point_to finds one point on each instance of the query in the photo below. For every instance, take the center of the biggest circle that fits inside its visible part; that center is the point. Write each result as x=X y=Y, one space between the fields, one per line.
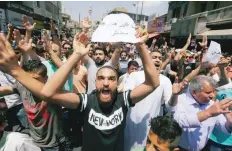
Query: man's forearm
x=164 y=64
x=56 y=60
x=115 y=56
x=27 y=81
x=28 y=36
x=151 y=74
x=173 y=100
x=194 y=73
x=203 y=115
x=61 y=75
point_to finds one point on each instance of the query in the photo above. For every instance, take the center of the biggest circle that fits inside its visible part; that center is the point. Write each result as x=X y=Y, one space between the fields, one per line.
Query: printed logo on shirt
x=102 y=122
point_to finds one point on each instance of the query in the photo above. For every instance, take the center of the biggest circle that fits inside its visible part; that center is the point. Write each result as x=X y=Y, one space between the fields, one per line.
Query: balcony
x=202 y=22
x=219 y=17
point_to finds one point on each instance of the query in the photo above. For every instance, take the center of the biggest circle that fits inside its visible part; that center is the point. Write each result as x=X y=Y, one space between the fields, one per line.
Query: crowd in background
x=70 y=92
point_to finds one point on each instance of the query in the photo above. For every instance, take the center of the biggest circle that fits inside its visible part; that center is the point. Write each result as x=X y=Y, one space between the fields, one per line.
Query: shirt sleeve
x=186 y=120
x=127 y=99
x=83 y=101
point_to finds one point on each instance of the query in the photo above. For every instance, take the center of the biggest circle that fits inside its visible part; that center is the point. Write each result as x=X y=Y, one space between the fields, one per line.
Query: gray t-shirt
x=92 y=71
x=44 y=118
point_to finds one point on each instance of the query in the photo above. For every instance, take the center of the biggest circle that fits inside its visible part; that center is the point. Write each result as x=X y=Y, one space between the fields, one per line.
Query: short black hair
x=66 y=43
x=108 y=67
x=167 y=129
x=123 y=52
x=102 y=49
x=35 y=66
x=132 y=63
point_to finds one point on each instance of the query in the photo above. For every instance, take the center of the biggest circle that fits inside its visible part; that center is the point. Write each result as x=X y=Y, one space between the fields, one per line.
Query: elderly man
x=197 y=114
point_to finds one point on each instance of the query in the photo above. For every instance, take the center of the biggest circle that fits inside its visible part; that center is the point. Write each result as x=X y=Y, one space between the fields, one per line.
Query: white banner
x=116 y=28
x=214 y=53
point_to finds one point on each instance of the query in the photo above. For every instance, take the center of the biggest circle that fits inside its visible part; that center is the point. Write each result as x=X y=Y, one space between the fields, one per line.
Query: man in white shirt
x=138 y=117
x=197 y=114
x=131 y=67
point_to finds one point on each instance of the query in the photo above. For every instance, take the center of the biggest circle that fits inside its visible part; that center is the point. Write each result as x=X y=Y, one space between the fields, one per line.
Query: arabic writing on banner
x=214 y=53
x=116 y=28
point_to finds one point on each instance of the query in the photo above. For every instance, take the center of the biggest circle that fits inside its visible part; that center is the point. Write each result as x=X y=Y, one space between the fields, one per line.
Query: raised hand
x=47 y=43
x=8 y=59
x=86 y=25
x=203 y=44
x=10 y=32
x=52 y=26
x=26 y=23
x=221 y=107
x=178 y=87
x=189 y=39
x=79 y=46
x=21 y=43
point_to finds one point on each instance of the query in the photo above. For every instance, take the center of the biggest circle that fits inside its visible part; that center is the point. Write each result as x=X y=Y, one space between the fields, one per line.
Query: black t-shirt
x=104 y=130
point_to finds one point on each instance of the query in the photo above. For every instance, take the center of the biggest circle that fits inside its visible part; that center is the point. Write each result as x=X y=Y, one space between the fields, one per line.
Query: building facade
x=39 y=12
x=211 y=18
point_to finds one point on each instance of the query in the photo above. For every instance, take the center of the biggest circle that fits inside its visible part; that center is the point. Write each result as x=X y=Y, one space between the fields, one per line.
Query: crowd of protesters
x=59 y=93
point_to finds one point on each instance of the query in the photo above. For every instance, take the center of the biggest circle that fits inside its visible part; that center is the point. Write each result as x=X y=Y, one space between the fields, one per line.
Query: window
x=176 y=12
x=185 y=9
x=38 y=4
x=49 y=6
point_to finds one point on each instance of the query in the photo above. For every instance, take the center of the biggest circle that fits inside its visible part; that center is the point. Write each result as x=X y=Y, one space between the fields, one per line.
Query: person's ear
x=176 y=149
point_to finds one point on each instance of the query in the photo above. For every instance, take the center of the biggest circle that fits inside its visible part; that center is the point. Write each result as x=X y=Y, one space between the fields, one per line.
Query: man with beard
x=99 y=61
x=104 y=111
x=138 y=118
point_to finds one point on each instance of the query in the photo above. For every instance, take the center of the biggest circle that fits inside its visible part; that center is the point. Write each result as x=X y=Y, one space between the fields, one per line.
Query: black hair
x=167 y=130
x=102 y=49
x=3 y=110
x=35 y=66
x=108 y=67
x=123 y=52
x=132 y=63
x=156 y=50
x=66 y=43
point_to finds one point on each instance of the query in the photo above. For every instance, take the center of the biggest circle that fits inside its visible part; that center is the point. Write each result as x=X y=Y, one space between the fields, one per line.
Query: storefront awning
x=153 y=35
x=217 y=34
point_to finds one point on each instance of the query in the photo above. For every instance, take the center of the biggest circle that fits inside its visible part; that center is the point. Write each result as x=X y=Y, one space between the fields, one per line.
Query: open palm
x=28 y=26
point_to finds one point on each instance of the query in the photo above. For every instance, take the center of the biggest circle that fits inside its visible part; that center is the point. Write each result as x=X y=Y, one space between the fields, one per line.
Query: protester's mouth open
x=157 y=65
x=105 y=94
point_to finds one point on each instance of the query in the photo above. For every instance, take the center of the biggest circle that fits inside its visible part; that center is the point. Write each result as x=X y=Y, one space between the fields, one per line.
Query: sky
x=99 y=8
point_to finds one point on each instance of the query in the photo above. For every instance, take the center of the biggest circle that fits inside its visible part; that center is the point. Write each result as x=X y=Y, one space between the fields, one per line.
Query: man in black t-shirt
x=104 y=110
